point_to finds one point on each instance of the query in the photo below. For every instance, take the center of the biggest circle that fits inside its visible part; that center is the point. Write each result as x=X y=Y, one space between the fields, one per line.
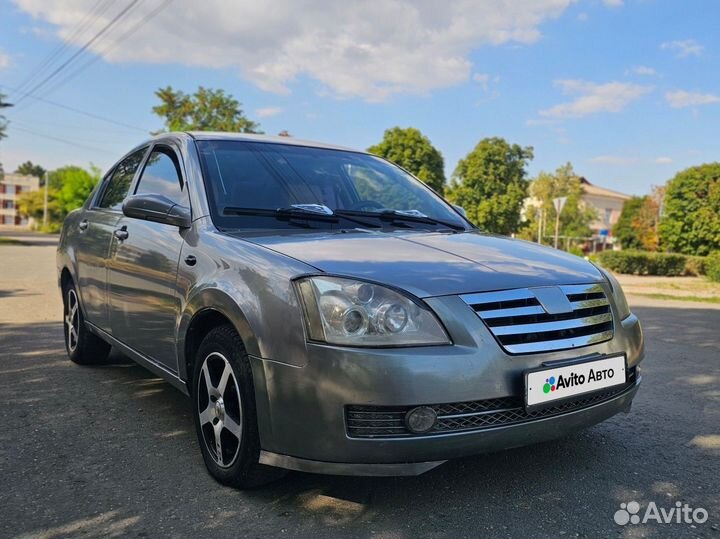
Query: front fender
x=220 y=300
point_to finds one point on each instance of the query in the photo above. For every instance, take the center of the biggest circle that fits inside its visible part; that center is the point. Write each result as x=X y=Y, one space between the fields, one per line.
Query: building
x=608 y=205
x=11 y=187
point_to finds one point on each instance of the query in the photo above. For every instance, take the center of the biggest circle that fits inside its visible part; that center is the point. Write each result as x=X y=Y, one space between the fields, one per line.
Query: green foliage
x=643 y=262
x=695 y=265
x=28 y=168
x=68 y=188
x=623 y=229
x=72 y=186
x=205 y=110
x=413 y=151
x=691 y=219
x=490 y=183
x=575 y=217
x=712 y=266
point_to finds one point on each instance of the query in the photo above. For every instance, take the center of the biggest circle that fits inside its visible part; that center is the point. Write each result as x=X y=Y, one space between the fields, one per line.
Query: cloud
x=614 y=160
x=594 y=98
x=681 y=99
x=267 y=112
x=484 y=80
x=4 y=60
x=643 y=70
x=582 y=17
x=371 y=50
x=613 y=3
x=683 y=47
x=663 y=160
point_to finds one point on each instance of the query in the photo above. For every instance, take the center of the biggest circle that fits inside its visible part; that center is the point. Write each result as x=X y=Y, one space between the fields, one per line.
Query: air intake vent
x=521 y=324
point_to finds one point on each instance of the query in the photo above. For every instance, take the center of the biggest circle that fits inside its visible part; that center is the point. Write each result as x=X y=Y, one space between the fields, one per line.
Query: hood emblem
x=552 y=299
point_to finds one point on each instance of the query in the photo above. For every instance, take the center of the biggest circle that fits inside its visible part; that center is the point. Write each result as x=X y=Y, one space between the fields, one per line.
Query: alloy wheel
x=220 y=409
x=72 y=320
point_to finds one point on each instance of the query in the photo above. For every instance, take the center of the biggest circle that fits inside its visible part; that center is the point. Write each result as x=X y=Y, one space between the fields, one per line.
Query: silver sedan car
x=327 y=312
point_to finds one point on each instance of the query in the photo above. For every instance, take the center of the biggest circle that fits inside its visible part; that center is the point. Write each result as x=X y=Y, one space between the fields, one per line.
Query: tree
x=205 y=110
x=68 y=188
x=623 y=230
x=575 y=217
x=690 y=223
x=72 y=186
x=28 y=168
x=413 y=151
x=490 y=183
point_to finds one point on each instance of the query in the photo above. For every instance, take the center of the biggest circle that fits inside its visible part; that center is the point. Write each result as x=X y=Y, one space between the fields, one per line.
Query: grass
x=700 y=299
x=10 y=241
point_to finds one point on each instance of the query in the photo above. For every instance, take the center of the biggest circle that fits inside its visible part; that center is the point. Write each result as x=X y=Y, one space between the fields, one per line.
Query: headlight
x=355 y=313
x=620 y=301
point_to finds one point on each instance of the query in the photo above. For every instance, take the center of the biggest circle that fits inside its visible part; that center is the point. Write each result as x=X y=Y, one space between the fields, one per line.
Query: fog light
x=420 y=419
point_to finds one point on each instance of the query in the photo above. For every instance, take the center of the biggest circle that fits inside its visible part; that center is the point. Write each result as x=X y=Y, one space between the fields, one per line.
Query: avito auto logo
x=574 y=380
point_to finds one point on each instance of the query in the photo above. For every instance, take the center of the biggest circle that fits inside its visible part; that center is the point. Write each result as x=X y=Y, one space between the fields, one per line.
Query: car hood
x=433 y=264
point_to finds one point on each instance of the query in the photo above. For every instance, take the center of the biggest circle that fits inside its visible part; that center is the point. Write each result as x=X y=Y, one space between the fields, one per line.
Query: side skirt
x=144 y=361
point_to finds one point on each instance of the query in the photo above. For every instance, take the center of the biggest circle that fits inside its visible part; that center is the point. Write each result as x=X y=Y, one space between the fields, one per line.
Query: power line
x=85 y=113
x=82 y=49
x=62 y=140
x=62 y=47
x=147 y=18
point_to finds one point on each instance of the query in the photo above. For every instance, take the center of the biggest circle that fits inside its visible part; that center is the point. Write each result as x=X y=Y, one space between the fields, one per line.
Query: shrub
x=695 y=265
x=712 y=266
x=643 y=263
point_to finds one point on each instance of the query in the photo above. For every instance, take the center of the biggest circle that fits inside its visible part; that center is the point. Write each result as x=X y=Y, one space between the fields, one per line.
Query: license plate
x=549 y=384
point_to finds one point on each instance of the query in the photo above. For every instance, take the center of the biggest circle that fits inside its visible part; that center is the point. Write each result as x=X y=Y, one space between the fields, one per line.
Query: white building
x=11 y=187
x=608 y=205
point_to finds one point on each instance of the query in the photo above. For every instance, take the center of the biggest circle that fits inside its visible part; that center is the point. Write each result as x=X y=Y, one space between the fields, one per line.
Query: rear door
x=144 y=303
x=95 y=232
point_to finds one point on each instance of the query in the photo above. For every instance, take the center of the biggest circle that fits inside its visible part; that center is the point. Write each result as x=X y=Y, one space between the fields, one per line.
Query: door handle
x=82 y=225
x=121 y=233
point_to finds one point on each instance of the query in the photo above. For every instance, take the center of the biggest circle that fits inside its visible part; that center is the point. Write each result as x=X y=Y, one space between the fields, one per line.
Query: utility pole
x=45 y=202
x=559 y=204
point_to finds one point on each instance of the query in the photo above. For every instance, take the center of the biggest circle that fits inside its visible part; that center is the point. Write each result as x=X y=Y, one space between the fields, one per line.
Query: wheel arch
x=208 y=309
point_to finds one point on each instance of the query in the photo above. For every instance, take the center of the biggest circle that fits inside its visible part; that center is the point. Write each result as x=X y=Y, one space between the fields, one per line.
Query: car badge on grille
x=552 y=299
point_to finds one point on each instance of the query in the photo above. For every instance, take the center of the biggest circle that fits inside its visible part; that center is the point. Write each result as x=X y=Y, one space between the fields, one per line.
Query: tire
x=223 y=399
x=82 y=346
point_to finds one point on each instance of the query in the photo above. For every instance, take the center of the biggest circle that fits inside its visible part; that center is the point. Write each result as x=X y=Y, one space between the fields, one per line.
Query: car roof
x=268 y=139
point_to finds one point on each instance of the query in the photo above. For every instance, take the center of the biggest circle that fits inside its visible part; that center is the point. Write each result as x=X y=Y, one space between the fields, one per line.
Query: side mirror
x=460 y=210
x=157 y=208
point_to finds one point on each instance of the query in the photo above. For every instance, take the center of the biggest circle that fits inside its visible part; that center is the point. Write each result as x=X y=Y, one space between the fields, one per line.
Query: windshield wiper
x=317 y=212
x=297 y=210
x=402 y=215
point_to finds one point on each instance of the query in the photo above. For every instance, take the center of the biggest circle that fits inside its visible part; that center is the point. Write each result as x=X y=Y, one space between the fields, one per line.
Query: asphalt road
x=110 y=452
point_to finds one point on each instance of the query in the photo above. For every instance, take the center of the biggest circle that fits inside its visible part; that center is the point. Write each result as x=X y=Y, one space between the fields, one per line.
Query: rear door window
x=118 y=186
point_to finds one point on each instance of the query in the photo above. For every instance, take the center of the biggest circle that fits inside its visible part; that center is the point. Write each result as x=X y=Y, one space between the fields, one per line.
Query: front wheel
x=224 y=411
x=83 y=347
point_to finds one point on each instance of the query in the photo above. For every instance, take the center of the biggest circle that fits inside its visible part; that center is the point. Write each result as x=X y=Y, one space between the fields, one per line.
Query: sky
x=628 y=91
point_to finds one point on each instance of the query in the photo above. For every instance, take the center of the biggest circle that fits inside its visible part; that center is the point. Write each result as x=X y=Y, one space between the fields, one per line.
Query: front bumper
x=464 y=444
x=301 y=410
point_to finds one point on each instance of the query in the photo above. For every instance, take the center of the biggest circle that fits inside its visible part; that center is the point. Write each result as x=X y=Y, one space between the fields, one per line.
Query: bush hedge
x=695 y=265
x=644 y=263
x=712 y=266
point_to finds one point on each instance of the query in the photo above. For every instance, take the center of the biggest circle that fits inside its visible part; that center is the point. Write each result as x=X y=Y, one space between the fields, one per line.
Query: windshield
x=361 y=188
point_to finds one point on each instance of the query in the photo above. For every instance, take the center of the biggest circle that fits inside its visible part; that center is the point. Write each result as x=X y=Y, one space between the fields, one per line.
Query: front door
x=144 y=303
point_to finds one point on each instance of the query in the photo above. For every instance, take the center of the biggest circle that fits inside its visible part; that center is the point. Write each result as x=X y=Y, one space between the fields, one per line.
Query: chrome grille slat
x=516 y=311
x=553 y=326
x=519 y=322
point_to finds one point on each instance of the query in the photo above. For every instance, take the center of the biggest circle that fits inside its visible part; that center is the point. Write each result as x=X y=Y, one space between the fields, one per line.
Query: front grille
x=389 y=421
x=521 y=324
